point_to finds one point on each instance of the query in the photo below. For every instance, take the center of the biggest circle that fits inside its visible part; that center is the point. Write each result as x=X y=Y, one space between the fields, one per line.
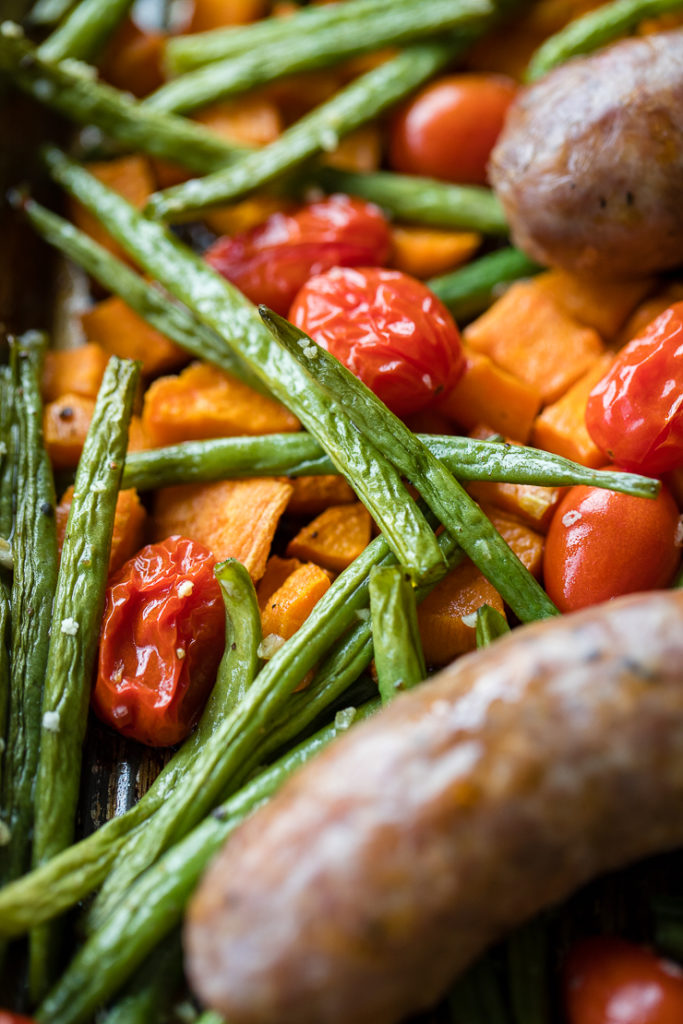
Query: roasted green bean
x=399 y=660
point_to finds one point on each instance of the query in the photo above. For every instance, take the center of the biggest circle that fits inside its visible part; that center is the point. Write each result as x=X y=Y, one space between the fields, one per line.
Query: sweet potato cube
x=335 y=538
x=446 y=616
x=291 y=604
x=528 y=334
x=360 y=150
x=129 y=525
x=119 y=330
x=204 y=402
x=647 y=311
x=313 y=494
x=208 y=14
x=132 y=178
x=75 y=370
x=526 y=543
x=561 y=427
x=486 y=393
x=132 y=60
x=65 y=426
x=233 y=518
x=425 y=252
x=604 y=305
x=277 y=571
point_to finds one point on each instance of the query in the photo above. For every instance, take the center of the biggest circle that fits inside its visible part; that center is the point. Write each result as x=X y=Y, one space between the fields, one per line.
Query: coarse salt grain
x=51 y=721
x=185 y=588
x=69 y=626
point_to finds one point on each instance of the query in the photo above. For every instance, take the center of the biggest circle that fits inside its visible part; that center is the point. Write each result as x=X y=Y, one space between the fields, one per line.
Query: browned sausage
x=589 y=166
x=387 y=864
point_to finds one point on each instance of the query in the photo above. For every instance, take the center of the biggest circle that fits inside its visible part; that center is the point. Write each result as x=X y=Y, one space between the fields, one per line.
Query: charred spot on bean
x=233 y=646
x=46 y=509
x=219 y=813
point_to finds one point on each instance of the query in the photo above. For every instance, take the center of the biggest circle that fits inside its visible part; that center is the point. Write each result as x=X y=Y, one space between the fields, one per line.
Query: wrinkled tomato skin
x=635 y=413
x=449 y=129
x=602 y=544
x=610 y=981
x=161 y=641
x=388 y=329
x=271 y=262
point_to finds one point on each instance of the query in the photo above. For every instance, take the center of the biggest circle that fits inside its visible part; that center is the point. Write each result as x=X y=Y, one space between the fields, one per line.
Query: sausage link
x=386 y=865
x=589 y=166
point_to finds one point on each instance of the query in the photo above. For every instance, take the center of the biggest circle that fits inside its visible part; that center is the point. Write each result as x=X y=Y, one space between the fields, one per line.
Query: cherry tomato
x=385 y=327
x=272 y=261
x=161 y=640
x=610 y=981
x=7 y=1017
x=449 y=129
x=602 y=544
x=635 y=413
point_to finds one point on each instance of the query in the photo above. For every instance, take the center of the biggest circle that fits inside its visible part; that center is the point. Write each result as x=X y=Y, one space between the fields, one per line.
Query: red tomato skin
x=602 y=544
x=449 y=128
x=145 y=688
x=7 y=1017
x=388 y=329
x=635 y=413
x=271 y=262
x=610 y=981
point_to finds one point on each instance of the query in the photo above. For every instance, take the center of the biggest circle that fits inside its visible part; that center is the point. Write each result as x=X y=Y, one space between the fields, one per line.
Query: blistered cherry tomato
x=272 y=261
x=635 y=413
x=449 y=129
x=7 y=1017
x=385 y=327
x=602 y=544
x=610 y=981
x=161 y=640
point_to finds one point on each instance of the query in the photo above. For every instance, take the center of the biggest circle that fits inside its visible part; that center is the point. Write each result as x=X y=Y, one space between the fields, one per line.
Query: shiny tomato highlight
x=272 y=261
x=602 y=544
x=449 y=129
x=161 y=641
x=610 y=981
x=388 y=329
x=635 y=413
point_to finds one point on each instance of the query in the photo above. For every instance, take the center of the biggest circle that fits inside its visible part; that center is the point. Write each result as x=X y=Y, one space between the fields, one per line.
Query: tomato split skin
x=447 y=131
x=602 y=544
x=388 y=329
x=161 y=641
x=611 y=981
x=273 y=260
x=635 y=413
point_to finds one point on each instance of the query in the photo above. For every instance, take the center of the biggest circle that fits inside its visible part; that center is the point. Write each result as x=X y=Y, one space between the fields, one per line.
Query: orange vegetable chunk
x=360 y=150
x=65 y=426
x=132 y=178
x=526 y=542
x=132 y=60
x=291 y=604
x=604 y=305
x=561 y=427
x=335 y=538
x=129 y=525
x=648 y=311
x=488 y=394
x=277 y=571
x=313 y=494
x=208 y=14
x=119 y=330
x=233 y=518
x=75 y=370
x=204 y=402
x=441 y=616
x=425 y=252
x=528 y=334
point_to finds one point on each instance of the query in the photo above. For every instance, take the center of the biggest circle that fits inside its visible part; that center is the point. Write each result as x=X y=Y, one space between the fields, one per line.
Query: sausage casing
x=589 y=166
x=392 y=860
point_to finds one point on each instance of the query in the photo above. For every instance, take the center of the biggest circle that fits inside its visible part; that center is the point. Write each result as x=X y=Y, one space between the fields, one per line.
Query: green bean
x=149 y=302
x=7 y=486
x=527 y=955
x=69 y=88
x=399 y=660
x=85 y=31
x=193 y=799
x=34 y=543
x=225 y=310
x=76 y=615
x=50 y=12
x=155 y=903
x=210 y=1017
x=460 y=515
x=595 y=29
x=421 y=200
x=147 y=999
x=316 y=132
x=403 y=22
x=490 y=625
x=184 y=53
x=471 y=289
